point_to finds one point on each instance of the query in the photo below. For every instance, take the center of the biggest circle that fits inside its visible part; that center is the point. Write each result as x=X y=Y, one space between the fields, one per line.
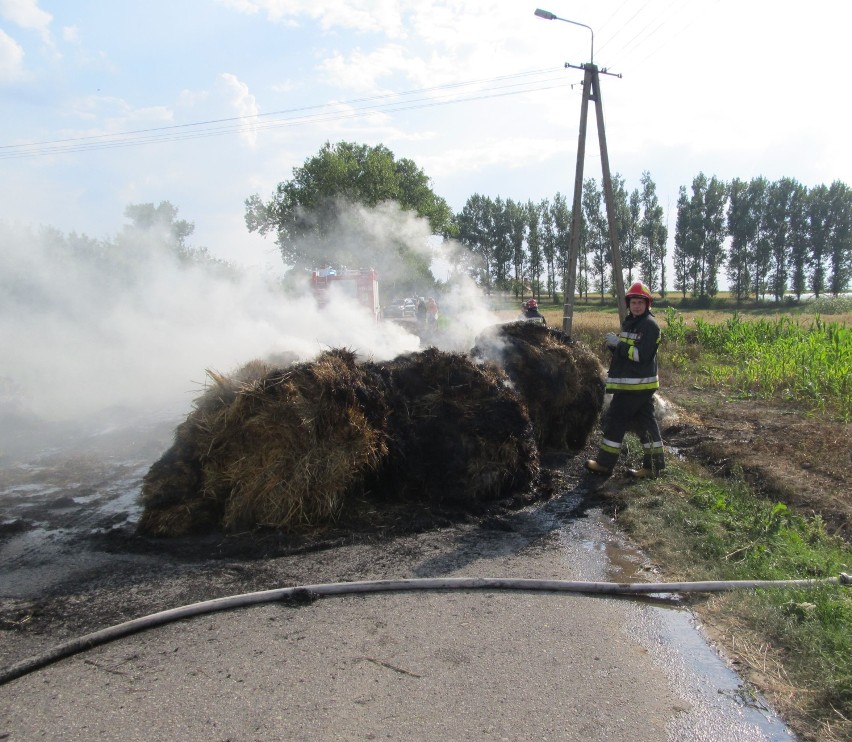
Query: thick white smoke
x=82 y=333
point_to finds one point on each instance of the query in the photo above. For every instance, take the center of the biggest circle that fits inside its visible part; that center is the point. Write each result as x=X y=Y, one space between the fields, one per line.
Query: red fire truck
x=361 y=284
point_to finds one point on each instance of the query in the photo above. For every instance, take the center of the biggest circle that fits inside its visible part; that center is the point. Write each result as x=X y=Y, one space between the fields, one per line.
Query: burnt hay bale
x=172 y=487
x=288 y=448
x=278 y=448
x=458 y=434
x=561 y=381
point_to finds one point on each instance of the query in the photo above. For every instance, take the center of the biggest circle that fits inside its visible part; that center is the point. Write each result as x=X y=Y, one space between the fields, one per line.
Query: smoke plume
x=130 y=325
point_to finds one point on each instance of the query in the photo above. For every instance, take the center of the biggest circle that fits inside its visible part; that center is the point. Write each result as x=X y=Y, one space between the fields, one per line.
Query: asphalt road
x=408 y=666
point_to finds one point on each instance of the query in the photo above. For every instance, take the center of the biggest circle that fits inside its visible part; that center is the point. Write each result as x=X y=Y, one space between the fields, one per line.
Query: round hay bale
x=561 y=381
x=458 y=434
x=281 y=452
x=172 y=489
x=287 y=448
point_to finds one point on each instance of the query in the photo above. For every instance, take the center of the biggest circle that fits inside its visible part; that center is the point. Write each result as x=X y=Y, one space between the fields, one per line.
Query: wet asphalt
x=448 y=665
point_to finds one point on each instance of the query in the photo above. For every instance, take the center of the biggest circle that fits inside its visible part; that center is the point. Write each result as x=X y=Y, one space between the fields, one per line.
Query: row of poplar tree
x=770 y=238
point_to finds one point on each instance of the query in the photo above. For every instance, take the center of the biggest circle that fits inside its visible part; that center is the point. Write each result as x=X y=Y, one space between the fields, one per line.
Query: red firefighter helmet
x=639 y=290
x=531 y=304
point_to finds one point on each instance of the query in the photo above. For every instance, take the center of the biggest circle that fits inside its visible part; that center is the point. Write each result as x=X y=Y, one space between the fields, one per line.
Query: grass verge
x=796 y=645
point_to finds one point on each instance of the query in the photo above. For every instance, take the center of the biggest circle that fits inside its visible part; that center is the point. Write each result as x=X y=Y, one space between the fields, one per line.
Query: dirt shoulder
x=796 y=458
x=788 y=456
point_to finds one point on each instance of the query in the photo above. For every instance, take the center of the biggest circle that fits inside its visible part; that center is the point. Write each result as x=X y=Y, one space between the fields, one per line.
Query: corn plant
x=782 y=357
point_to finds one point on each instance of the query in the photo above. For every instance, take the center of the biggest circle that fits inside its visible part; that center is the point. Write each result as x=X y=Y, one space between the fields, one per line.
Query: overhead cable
x=448 y=94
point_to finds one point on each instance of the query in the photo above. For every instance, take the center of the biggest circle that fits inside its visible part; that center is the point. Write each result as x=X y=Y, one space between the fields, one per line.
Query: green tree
x=562 y=234
x=742 y=228
x=819 y=232
x=840 y=248
x=696 y=215
x=760 y=249
x=501 y=230
x=547 y=237
x=707 y=230
x=799 y=246
x=682 y=238
x=649 y=232
x=630 y=255
x=661 y=250
x=517 y=217
x=159 y=222
x=778 y=205
x=596 y=238
x=714 y=232
x=307 y=210
x=534 y=247
x=474 y=232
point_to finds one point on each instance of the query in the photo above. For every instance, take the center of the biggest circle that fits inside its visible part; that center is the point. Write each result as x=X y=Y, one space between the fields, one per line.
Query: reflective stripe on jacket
x=634 y=359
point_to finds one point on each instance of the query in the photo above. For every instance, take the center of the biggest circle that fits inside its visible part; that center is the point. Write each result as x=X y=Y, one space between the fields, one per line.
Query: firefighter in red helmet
x=529 y=312
x=632 y=379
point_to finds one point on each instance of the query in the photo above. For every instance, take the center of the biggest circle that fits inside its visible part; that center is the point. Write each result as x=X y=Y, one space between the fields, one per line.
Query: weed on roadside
x=700 y=528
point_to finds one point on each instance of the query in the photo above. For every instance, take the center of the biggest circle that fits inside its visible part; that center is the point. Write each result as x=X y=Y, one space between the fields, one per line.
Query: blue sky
x=733 y=89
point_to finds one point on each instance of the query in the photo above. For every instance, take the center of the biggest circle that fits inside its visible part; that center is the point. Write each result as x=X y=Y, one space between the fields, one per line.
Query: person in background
x=632 y=379
x=529 y=311
x=420 y=313
x=431 y=313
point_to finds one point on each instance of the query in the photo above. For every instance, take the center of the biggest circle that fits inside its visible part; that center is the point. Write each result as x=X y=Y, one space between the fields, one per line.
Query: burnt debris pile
x=561 y=382
x=288 y=447
x=458 y=435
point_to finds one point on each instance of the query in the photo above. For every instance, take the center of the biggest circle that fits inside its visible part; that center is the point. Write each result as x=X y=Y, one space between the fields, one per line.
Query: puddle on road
x=718 y=705
x=722 y=706
x=53 y=500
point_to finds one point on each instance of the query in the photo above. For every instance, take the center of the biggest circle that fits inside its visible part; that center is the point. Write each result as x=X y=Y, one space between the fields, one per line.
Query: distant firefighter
x=431 y=313
x=529 y=312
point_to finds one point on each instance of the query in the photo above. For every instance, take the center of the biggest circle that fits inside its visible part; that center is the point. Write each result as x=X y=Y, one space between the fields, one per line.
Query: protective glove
x=611 y=340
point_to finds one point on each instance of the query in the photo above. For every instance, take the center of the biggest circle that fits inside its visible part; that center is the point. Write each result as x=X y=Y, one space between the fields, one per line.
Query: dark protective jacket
x=533 y=315
x=634 y=359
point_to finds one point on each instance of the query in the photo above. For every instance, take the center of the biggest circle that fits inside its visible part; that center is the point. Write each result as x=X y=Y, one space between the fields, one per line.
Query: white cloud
x=443 y=41
x=71 y=34
x=375 y=16
x=192 y=98
x=244 y=103
x=241 y=6
x=27 y=14
x=117 y=115
x=511 y=153
x=360 y=72
x=11 y=58
x=285 y=86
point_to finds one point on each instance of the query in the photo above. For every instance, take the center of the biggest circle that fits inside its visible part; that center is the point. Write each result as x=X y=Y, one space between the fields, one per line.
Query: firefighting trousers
x=632 y=411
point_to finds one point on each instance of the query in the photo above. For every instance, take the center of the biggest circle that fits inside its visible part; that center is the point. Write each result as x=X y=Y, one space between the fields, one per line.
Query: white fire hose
x=308 y=593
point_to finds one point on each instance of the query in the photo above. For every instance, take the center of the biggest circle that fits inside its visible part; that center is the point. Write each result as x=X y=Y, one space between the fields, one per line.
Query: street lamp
x=548 y=16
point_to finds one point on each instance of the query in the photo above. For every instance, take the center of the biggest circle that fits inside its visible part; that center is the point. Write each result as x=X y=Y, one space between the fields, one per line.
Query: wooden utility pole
x=591 y=91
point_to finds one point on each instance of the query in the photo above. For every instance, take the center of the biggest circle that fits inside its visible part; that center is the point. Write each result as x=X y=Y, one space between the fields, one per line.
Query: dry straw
x=289 y=447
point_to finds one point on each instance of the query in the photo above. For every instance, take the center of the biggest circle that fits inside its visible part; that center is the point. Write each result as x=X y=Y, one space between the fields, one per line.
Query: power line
x=250 y=127
x=418 y=91
x=387 y=103
x=668 y=18
x=641 y=37
x=623 y=26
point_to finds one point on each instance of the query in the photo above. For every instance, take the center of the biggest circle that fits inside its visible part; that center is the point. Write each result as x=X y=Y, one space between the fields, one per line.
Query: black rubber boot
x=597 y=468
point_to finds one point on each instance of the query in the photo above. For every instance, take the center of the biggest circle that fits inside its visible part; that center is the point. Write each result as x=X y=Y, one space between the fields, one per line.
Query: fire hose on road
x=308 y=593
